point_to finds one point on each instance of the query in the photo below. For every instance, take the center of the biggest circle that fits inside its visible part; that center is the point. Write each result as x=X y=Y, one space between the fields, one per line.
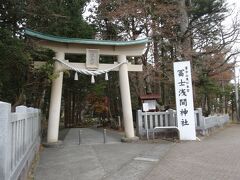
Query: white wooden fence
x=19 y=140
x=148 y=121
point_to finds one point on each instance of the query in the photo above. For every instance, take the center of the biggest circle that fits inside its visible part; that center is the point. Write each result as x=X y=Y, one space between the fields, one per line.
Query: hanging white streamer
x=76 y=76
x=106 y=76
x=92 y=79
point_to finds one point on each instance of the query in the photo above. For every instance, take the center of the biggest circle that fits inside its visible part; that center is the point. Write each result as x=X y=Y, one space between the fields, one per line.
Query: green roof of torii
x=60 y=39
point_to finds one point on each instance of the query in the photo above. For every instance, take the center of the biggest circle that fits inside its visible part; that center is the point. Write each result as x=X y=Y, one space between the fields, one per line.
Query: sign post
x=184 y=100
x=146 y=109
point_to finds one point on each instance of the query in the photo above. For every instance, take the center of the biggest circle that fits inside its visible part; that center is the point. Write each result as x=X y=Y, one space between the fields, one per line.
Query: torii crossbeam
x=62 y=45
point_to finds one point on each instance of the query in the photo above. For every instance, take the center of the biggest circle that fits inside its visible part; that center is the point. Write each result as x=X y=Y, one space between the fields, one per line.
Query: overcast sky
x=235 y=5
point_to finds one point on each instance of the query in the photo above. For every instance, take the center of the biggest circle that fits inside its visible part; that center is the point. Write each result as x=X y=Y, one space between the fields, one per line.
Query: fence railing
x=19 y=140
x=148 y=121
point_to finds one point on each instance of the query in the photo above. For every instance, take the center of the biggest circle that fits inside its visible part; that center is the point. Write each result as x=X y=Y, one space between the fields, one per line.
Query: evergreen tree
x=27 y=85
x=61 y=17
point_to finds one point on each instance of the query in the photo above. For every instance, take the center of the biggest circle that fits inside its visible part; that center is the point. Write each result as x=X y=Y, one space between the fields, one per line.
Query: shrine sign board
x=184 y=100
x=92 y=59
x=145 y=107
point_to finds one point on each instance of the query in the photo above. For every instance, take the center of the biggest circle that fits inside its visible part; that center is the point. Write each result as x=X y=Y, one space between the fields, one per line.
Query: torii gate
x=62 y=45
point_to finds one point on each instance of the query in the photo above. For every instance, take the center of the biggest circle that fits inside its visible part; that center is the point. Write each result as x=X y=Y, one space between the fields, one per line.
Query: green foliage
x=20 y=82
x=203 y=8
x=45 y=70
x=99 y=88
x=12 y=16
x=212 y=95
x=59 y=18
x=14 y=62
x=207 y=85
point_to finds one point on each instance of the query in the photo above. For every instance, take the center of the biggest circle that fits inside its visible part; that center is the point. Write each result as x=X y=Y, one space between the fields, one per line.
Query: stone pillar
x=5 y=140
x=126 y=99
x=55 y=102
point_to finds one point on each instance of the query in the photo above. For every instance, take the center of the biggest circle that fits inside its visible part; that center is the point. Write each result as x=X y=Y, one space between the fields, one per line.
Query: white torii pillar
x=126 y=99
x=55 y=102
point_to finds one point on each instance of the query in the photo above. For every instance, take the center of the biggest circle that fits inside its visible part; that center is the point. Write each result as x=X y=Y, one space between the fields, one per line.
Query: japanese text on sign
x=184 y=100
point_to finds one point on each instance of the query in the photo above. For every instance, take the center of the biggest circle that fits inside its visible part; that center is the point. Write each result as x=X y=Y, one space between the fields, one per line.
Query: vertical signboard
x=184 y=100
x=92 y=59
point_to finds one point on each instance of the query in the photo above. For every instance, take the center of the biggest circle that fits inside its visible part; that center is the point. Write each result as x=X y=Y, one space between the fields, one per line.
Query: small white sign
x=145 y=107
x=151 y=104
x=184 y=100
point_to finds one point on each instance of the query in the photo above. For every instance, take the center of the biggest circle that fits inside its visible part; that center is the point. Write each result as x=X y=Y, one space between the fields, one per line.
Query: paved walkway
x=215 y=157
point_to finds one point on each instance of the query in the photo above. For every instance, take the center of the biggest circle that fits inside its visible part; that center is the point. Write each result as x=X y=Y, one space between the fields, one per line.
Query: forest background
x=178 y=30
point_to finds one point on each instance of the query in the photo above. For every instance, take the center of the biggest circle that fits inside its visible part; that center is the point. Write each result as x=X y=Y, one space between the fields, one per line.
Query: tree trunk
x=184 y=44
